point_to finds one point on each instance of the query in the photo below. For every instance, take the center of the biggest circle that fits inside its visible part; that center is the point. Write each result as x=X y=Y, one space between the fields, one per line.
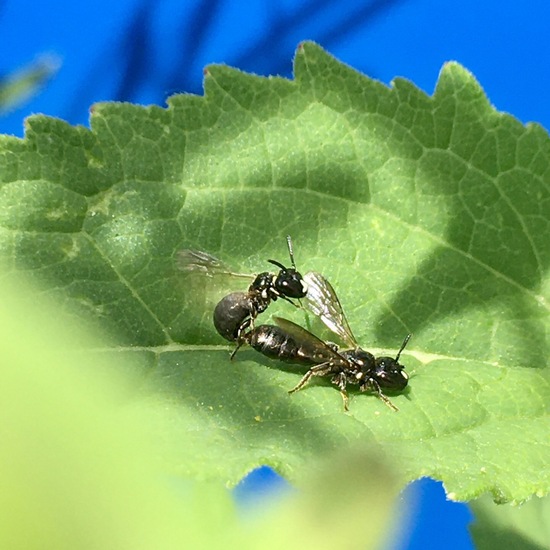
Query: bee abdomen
x=275 y=343
x=231 y=312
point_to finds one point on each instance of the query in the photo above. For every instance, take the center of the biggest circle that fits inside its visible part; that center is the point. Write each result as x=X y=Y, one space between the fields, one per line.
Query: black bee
x=380 y=372
x=236 y=312
x=289 y=342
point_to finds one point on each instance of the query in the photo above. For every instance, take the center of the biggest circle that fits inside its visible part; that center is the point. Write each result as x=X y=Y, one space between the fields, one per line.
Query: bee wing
x=322 y=301
x=315 y=347
x=197 y=261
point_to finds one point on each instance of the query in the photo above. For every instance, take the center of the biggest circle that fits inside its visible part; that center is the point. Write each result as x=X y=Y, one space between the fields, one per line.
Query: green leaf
x=508 y=527
x=79 y=468
x=76 y=469
x=429 y=215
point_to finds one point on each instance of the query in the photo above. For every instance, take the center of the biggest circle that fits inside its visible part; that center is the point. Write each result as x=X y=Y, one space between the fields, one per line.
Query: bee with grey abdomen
x=236 y=312
x=291 y=343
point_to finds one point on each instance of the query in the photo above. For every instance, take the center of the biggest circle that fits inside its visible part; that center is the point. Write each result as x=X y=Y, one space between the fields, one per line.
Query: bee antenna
x=290 y=250
x=279 y=265
x=405 y=342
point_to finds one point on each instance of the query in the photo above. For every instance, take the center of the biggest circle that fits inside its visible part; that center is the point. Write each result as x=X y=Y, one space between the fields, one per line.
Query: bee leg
x=290 y=301
x=387 y=401
x=345 y=399
x=240 y=342
x=241 y=336
x=341 y=381
x=318 y=370
x=372 y=385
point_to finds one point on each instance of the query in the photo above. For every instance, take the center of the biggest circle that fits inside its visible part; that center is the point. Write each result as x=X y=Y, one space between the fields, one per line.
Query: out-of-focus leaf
x=525 y=527
x=18 y=87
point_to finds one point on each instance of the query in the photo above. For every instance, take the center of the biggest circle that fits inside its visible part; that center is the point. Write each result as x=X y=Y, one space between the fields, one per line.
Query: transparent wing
x=322 y=301
x=197 y=261
x=311 y=346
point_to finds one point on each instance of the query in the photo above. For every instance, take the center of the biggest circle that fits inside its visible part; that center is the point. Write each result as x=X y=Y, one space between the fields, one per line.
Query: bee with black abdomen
x=236 y=312
x=290 y=342
x=380 y=372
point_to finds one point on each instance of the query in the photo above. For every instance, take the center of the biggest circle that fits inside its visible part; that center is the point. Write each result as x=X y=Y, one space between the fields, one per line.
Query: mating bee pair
x=235 y=315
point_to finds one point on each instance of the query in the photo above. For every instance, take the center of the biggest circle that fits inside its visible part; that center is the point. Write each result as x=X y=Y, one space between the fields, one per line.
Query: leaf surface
x=429 y=215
